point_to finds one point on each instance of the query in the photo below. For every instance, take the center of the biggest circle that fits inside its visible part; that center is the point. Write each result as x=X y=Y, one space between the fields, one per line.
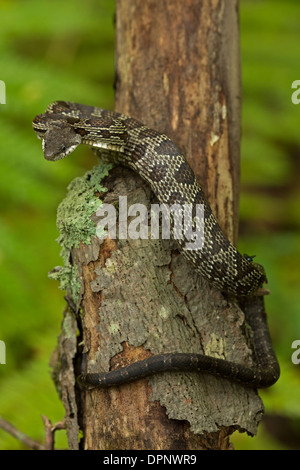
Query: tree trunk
x=178 y=71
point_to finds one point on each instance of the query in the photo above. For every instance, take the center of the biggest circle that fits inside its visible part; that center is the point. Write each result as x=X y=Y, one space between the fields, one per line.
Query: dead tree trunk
x=178 y=71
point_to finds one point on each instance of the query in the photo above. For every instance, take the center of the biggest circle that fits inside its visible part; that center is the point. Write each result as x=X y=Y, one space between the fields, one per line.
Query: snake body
x=160 y=163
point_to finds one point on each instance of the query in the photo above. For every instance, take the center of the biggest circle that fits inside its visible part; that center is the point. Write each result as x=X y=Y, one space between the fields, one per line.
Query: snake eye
x=249 y=258
x=63 y=148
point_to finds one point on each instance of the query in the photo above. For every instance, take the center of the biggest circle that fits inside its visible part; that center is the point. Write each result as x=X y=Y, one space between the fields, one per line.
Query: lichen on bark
x=75 y=224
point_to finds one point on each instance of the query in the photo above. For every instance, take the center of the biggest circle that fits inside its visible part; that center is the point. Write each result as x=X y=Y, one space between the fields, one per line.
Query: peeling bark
x=141 y=297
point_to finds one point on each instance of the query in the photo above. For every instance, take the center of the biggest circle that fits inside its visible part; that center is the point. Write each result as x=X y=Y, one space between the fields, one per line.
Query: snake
x=159 y=162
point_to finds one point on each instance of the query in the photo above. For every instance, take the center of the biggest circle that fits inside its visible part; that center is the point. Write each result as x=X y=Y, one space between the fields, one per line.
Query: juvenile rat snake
x=158 y=161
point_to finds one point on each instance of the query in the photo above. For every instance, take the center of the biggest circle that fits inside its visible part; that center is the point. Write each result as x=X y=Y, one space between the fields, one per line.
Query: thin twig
x=49 y=435
x=50 y=431
x=6 y=426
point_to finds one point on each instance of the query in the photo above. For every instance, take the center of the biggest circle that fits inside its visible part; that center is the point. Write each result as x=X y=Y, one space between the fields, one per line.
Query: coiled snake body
x=157 y=160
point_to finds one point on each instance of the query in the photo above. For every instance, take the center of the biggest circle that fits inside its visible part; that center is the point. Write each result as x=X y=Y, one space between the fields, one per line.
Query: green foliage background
x=65 y=50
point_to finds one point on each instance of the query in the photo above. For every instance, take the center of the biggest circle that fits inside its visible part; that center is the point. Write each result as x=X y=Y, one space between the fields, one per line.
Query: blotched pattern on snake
x=160 y=163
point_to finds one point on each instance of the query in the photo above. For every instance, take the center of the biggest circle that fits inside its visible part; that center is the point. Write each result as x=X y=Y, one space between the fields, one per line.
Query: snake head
x=58 y=142
x=59 y=138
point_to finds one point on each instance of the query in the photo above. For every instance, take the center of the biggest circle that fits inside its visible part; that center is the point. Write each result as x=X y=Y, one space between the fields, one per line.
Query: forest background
x=65 y=50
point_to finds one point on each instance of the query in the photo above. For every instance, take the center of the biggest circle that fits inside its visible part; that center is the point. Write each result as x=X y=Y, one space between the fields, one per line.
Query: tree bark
x=178 y=71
